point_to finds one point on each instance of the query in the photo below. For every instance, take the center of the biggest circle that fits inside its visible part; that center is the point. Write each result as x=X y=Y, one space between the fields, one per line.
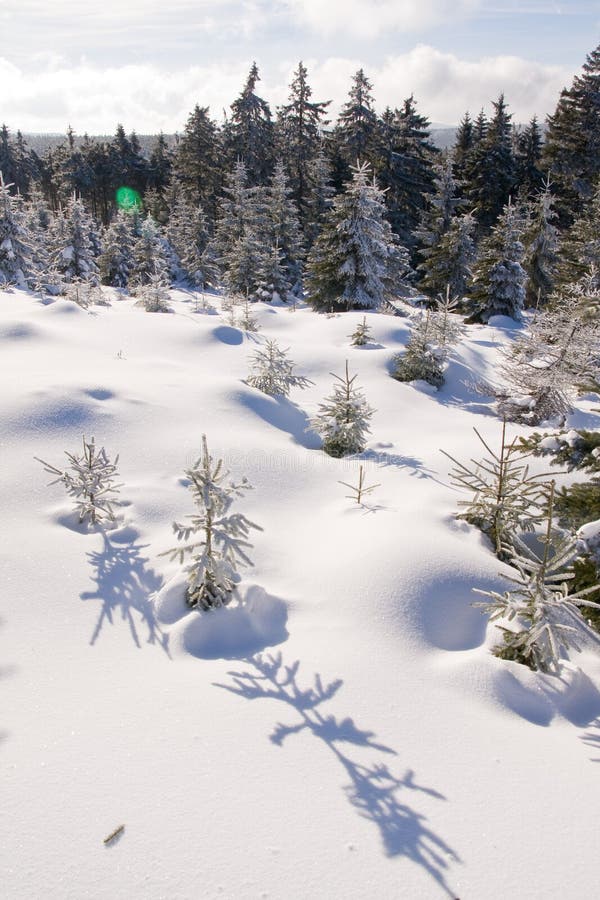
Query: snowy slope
x=386 y=753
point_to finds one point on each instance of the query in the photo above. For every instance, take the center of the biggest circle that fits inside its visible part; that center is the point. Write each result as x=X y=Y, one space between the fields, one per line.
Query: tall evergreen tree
x=196 y=161
x=580 y=247
x=8 y=161
x=74 y=255
x=187 y=233
x=298 y=130
x=541 y=244
x=405 y=168
x=319 y=196
x=356 y=129
x=499 y=276
x=160 y=164
x=464 y=142
x=116 y=263
x=492 y=169
x=356 y=262
x=283 y=234
x=239 y=237
x=572 y=147
x=150 y=255
x=15 y=248
x=249 y=132
x=529 y=177
x=449 y=264
x=436 y=220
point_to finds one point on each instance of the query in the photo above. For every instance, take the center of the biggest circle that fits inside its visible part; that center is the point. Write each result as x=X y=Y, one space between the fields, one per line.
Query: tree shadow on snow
x=124 y=586
x=539 y=699
x=373 y=790
x=283 y=414
x=592 y=739
x=384 y=458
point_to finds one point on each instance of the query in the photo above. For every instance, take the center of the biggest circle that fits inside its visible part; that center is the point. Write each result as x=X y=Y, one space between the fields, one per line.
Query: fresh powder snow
x=342 y=730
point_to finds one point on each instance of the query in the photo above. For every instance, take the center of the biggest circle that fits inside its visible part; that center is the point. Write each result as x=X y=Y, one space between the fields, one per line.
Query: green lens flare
x=128 y=199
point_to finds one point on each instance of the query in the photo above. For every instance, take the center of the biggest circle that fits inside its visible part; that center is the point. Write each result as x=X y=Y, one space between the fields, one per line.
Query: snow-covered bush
x=505 y=498
x=90 y=481
x=546 y=618
x=343 y=418
x=273 y=371
x=222 y=537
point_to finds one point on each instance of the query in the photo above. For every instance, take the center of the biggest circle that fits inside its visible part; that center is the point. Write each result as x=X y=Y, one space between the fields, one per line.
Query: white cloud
x=369 y=18
x=149 y=98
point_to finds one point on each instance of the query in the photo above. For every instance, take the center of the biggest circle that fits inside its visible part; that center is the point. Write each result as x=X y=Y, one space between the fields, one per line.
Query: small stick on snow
x=114 y=834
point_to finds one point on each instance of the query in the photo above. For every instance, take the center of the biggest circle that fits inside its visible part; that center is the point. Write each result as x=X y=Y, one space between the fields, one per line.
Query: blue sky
x=145 y=63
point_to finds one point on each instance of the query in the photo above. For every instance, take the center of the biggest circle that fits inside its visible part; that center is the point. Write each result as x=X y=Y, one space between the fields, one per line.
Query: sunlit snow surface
x=345 y=732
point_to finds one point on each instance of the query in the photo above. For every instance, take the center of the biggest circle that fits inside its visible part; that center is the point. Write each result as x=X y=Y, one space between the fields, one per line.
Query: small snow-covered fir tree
x=187 y=232
x=150 y=255
x=239 y=242
x=75 y=254
x=15 y=240
x=356 y=261
x=541 y=243
x=247 y=321
x=90 y=481
x=505 y=498
x=547 y=618
x=116 y=260
x=222 y=542
x=544 y=368
x=153 y=294
x=343 y=418
x=446 y=327
x=85 y=293
x=499 y=276
x=436 y=219
x=424 y=357
x=450 y=261
x=361 y=334
x=281 y=275
x=273 y=371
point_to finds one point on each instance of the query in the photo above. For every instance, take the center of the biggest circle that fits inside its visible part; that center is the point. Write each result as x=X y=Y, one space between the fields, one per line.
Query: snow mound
x=236 y=632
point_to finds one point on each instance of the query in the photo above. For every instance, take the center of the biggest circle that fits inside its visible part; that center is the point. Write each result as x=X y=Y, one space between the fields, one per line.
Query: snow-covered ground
x=346 y=733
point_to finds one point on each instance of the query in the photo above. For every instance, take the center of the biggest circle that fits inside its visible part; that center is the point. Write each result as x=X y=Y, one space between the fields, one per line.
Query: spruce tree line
x=270 y=203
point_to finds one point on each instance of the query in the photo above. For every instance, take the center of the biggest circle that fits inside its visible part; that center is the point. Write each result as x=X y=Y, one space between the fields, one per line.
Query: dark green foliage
x=405 y=169
x=356 y=129
x=298 y=138
x=528 y=152
x=586 y=575
x=580 y=249
x=572 y=147
x=196 y=163
x=491 y=172
x=579 y=504
x=248 y=135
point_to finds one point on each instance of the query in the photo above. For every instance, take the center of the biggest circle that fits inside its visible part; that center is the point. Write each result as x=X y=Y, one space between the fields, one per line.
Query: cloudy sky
x=146 y=63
